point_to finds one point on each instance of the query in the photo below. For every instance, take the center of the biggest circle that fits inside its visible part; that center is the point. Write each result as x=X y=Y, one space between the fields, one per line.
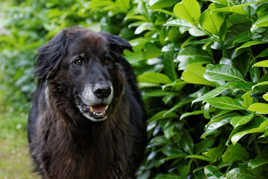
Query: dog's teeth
x=91 y=109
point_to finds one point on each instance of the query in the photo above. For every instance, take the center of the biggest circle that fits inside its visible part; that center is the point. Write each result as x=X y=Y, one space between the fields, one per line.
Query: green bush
x=201 y=66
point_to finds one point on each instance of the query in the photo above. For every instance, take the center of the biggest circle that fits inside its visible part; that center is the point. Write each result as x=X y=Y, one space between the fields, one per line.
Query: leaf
x=215 y=153
x=226 y=103
x=213 y=127
x=191 y=55
x=247 y=99
x=178 y=22
x=261 y=128
x=169 y=66
x=235 y=152
x=143 y=27
x=187 y=142
x=240 y=85
x=261 y=108
x=123 y=4
x=261 y=22
x=194 y=113
x=160 y=115
x=222 y=72
x=157 y=93
x=239 y=9
x=263 y=63
x=265 y=96
x=177 y=85
x=188 y=10
x=211 y=20
x=237 y=121
x=240 y=173
x=211 y=94
x=264 y=83
x=178 y=105
x=154 y=77
x=249 y=44
x=171 y=151
x=254 y=163
x=212 y=172
x=200 y=157
x=263 y=53
x=194 y=74
x=169 y=130
x=160 y=4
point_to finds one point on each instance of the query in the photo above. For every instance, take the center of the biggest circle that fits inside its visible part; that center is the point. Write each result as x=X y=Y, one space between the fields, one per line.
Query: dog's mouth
x=96 y=113
x=99 y=110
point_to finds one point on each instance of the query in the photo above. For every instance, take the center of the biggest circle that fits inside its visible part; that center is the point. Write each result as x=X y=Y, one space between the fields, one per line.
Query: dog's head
x=82 y=68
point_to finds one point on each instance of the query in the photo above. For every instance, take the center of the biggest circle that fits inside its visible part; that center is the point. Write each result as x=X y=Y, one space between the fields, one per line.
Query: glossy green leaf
x=235 y=152
x=160 y=115
x=261 y=128
x=247 y=99
x=240 y=173
x=194 y=74
x=239 y=9
x=240 y=85
x=191 y=55
x=169 y=66
x=178 y=105
x=213 y=127
x=211 y=94
x=153 y=77
x=223 y=2
x=158 y=4
x=237 y=121
x=178 y=22
x=222 y=72
x=188 y=10
x=226 y=103
x=212 y=172
x=249 y=44
x=177 y=85
x=123 y=4
x=194 y=113
x=259 y=108
x=254 y=163
x=144 y=27
x=187 y=142
x=264 y=83
x=265 y=96
x=211 y=20
x=263 y=63
x=261 y=22
x=199 y=157
x=214 y=154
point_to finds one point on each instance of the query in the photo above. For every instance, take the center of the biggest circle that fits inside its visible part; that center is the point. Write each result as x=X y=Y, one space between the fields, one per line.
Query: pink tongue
x=99 y=109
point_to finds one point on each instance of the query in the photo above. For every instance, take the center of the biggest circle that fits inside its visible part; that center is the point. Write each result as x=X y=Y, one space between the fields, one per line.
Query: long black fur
x=63 y=143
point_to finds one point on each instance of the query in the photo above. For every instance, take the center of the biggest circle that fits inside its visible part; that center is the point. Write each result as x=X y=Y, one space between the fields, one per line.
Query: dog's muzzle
x=95 y=101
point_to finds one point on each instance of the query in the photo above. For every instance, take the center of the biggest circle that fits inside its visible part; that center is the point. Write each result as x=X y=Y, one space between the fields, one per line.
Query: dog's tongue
x=99 y=109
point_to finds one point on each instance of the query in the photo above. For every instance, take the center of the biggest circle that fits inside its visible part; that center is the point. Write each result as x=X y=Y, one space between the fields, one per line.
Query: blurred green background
x=201 y=66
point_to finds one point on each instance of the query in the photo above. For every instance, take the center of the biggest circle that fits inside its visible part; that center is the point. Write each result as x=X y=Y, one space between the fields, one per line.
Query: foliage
x=201 y=66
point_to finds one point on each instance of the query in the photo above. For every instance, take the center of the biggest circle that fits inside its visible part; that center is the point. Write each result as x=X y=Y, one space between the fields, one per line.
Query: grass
x=15 y=162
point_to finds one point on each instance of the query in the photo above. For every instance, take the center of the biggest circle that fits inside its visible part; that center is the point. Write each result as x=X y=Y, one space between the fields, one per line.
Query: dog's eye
x=78 y=60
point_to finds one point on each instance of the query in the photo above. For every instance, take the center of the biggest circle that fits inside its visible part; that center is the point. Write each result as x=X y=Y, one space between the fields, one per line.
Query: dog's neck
x=88 y=152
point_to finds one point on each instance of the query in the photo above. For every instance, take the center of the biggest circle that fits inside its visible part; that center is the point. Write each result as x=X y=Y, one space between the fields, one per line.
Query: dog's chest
x=104 y=157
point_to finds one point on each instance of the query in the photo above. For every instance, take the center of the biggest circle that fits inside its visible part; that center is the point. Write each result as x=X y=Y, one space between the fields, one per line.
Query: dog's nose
x=102 y=90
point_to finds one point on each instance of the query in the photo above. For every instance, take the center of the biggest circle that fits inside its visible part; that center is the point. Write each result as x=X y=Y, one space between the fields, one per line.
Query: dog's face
x=89 y=70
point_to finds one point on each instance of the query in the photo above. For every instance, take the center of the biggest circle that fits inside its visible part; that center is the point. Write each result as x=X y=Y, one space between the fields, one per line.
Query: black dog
x=87 y=120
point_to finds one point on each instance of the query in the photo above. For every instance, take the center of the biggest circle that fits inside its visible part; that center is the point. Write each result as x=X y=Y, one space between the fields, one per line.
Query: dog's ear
x=50 y=56
x=117 y=44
